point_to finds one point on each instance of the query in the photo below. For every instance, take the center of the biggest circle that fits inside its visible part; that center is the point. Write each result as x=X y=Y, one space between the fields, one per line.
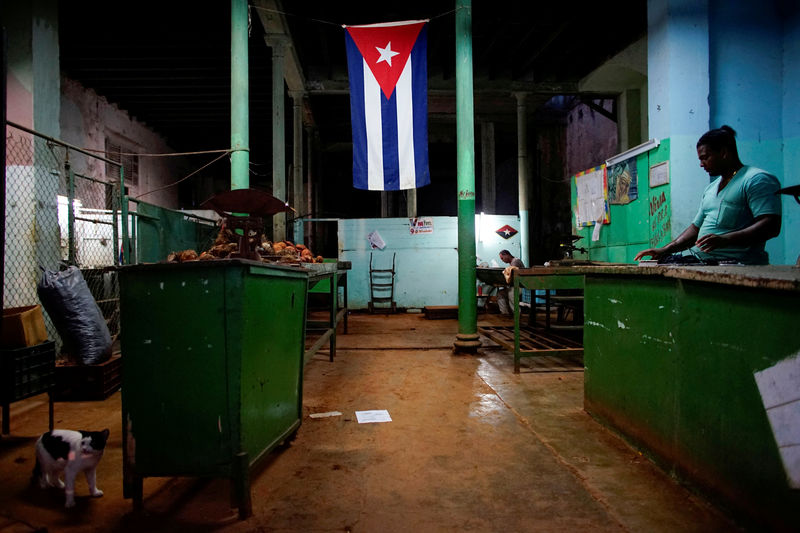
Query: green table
x=542 y=278
x=213 y=368
x=327 y=278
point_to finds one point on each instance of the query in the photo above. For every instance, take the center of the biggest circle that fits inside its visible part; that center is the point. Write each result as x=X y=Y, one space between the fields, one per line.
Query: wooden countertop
x=776 y=277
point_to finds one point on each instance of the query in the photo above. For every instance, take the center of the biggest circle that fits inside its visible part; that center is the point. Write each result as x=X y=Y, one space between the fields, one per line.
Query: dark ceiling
x=168 y=63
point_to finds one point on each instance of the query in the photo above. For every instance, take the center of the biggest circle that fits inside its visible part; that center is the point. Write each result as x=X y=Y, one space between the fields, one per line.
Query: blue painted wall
x=791 y=133
x=746 y=64
x=678 y=93
x=426 y=264
x=736 y=62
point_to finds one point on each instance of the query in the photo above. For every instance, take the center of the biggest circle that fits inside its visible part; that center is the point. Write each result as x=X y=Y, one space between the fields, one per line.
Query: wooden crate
x=88 y=382
x=23 y=326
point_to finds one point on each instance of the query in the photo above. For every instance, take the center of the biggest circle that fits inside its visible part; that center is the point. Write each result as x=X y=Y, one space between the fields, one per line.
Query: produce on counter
x=227 y=243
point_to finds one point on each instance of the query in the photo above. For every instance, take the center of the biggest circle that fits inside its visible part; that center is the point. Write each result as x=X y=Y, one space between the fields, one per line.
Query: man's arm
x=762 y=229
x=685 y=240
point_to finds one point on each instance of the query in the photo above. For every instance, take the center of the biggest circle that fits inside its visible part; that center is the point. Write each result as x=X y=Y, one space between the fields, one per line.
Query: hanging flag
x=388 y=70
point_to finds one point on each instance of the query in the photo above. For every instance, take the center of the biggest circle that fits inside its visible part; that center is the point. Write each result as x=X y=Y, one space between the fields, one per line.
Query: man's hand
x=683 y=242
x=655 y=253
x=710 y=242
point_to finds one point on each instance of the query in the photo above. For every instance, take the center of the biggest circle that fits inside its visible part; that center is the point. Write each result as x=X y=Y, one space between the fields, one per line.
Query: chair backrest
x=394 y=255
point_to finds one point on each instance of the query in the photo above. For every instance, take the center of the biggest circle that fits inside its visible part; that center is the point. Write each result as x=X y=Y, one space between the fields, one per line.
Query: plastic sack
x=75 y=314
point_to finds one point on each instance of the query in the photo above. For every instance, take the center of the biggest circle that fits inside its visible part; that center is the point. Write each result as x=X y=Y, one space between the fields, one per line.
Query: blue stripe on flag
x=356 y=73
x=391 y=162
x=419 y=84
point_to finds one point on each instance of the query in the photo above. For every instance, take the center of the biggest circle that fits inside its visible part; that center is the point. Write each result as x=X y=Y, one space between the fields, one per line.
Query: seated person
x=502 y=293
x=739 y=211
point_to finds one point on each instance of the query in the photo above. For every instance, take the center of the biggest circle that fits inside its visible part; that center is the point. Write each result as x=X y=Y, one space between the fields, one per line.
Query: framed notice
x=592 y=197
x=659 y=174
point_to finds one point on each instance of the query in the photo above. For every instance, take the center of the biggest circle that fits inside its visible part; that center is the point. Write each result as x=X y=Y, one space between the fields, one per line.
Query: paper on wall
x=375 y=240
x=591 y=196
x=596 y=231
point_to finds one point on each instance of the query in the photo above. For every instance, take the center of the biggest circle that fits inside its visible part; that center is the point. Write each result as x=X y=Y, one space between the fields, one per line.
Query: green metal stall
x=213 y=368
x=675 y=360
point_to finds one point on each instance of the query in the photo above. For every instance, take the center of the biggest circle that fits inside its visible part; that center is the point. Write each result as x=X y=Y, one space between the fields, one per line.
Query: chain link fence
x=63 y=206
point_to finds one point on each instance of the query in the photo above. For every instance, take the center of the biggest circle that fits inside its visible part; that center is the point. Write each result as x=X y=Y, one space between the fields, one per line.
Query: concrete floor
x=471 y=447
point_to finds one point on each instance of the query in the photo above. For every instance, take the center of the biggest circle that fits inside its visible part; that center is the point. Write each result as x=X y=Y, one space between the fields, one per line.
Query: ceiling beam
x=270 y=12
x=447 y=87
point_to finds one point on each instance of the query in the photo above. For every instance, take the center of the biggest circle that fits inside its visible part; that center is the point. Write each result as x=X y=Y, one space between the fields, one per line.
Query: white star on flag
x=507 y=232
x=386 y=53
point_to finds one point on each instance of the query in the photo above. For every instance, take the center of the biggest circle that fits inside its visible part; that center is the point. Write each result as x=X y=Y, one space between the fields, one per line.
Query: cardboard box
x=23 y=326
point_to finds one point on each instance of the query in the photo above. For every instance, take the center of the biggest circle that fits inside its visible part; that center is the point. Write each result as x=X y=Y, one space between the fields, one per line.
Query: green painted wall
x=160 y=231
x=665 y=366
x=643 y=223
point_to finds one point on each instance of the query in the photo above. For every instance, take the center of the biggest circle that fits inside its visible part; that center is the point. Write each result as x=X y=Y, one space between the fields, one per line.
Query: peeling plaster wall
x=88 y=119
x=591 y=138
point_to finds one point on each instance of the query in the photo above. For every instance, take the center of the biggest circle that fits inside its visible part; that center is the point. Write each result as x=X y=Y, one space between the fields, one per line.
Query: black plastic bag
x=75 y=314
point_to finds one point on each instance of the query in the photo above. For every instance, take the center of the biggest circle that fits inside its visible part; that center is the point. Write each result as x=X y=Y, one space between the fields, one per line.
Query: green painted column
x=278 y=45
x=522 y=177
x=240 y=133
x=298 y=202
x=467 y=340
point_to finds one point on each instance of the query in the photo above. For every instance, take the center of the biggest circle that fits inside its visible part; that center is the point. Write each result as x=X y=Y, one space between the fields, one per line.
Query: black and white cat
x=70 y=452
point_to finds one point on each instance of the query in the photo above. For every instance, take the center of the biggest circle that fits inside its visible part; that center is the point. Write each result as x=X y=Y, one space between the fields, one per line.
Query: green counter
x=213 y=368
x=671 y=355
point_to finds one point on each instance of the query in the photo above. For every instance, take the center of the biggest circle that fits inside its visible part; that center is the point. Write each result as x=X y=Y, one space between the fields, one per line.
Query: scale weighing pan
x=254 y=202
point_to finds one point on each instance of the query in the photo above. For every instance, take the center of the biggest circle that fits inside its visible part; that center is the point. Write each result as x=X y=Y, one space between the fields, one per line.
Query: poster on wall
x=623 y=184
x=420 y=225
x=592 y=197
x=659 y=174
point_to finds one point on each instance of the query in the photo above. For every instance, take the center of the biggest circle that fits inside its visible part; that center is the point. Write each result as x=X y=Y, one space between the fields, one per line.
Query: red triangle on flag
x=386 y=48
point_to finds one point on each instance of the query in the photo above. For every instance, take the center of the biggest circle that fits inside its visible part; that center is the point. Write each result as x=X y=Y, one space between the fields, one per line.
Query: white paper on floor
x=325 y=415
x=377 y=415
x=781 y=397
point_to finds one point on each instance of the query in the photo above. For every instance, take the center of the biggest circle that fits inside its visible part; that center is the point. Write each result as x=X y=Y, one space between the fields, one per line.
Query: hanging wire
x=293 y=15
x=551 y=180
x=254 y=173
x=443 y=14
x=186 y=177
x=333 y=23
x=171 y=154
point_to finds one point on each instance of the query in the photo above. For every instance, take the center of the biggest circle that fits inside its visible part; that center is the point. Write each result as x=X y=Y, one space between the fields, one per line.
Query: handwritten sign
x=660 y=222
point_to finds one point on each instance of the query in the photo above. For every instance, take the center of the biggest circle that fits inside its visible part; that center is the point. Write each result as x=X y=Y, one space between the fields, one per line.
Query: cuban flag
x=388 y=70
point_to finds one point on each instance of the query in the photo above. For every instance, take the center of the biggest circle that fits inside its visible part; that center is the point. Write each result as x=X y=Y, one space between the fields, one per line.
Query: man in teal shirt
x=739 y=212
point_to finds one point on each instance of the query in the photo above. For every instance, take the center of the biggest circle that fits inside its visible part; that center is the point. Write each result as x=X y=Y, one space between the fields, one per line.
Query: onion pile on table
x=227 y=242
